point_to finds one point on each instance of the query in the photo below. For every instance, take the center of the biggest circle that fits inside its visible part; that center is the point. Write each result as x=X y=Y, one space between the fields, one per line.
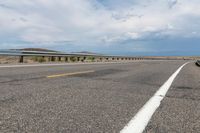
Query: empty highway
x=99 y=98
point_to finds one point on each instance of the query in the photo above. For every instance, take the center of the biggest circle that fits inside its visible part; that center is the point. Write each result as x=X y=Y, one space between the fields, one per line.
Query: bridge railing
x=52 y=55
x=59 y=56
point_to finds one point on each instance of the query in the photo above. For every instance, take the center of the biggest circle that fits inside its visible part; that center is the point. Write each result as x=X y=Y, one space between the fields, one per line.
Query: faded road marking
x=71 y=64
x=70 y=74
x=141 y=119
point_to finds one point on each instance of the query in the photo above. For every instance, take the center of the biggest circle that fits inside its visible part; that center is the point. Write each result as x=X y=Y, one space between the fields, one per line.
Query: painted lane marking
x=60 y=64
x=142 y=118
x=70 y=64
x=70 y=74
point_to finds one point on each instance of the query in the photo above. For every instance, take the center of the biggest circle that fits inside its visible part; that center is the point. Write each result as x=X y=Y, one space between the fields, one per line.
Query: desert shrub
x=91 y=58
x=38 y=59
x=41 y=59
x=73 y=59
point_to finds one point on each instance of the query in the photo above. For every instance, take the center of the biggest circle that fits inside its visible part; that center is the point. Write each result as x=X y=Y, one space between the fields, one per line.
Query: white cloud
x=94 y=22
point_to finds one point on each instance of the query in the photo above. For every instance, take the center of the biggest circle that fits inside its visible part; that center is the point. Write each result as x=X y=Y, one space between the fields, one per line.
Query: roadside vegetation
x=38 y=59
x=90 y=59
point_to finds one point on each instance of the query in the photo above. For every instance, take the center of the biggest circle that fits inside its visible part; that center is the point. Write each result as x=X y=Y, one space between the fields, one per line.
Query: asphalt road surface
x=98 y=98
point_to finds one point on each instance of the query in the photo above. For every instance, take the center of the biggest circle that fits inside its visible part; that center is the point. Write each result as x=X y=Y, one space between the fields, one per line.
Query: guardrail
x=59 y=55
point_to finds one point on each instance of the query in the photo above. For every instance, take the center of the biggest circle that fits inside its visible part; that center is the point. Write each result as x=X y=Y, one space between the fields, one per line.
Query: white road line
x=142 y=118
x=64 y=64
x=57 y=64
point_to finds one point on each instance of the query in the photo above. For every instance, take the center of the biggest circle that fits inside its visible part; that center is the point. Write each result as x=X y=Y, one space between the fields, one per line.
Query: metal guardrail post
x=59 y=58
x=84 y=58
x=52 y=59
x=66 y=59
x=21 y=59
x=78 y=58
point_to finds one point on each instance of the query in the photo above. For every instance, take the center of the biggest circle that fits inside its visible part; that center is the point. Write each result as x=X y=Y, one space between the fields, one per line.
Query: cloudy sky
x=124 y=27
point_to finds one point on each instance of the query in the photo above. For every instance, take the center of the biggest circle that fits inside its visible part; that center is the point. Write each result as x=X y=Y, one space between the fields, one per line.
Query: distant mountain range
x=35 y=49
x=86 y=52
x=47 y=50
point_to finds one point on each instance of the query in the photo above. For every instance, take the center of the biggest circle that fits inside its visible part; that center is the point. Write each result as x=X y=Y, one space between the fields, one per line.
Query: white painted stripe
x=65 y=64
x=58 y=64
x=141 y=119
